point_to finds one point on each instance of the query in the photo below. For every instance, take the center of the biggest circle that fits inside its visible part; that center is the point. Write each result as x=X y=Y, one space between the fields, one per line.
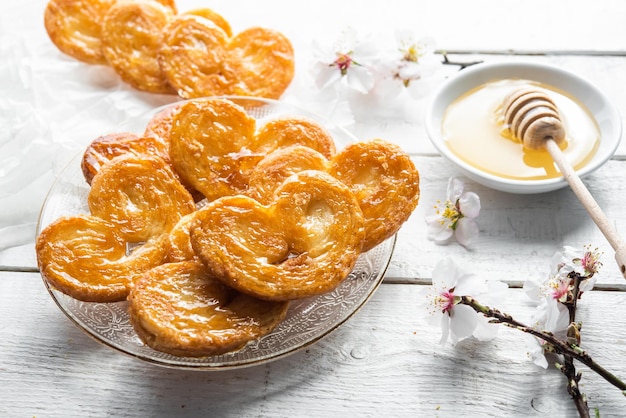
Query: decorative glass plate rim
x=361 y=283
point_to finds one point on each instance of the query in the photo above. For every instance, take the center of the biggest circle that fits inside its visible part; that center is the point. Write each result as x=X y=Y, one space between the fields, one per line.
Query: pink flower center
x=560 y=290
x=343 y=62
x=590 y=262
x=446 y=301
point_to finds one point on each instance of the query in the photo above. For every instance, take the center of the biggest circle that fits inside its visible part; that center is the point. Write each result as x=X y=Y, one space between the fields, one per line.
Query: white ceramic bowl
x=606 y=115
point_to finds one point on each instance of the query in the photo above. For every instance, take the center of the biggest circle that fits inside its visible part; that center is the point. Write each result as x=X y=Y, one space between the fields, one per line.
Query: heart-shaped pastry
x=179 y=308
x=74 y=26
x=140 y=195
x=385 y=182
x=86 y=258
x=200 y=60
x=210 y=144
x=214 y=144
x=304 y=244
x=381 y=175
x=131 y=40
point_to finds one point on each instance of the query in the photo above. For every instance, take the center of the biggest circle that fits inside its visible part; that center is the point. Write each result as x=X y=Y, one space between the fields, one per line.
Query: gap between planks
x=531 y=52
x=512 y=284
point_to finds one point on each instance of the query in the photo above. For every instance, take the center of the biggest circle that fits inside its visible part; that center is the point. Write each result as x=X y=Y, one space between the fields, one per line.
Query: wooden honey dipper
x=533 y=118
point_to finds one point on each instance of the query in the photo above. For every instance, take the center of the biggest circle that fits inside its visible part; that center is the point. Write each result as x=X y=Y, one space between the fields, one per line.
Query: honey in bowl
x=473 y=129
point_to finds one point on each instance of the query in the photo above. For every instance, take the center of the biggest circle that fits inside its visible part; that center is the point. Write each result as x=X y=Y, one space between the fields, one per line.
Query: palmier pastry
x=107 y=147
x=160 y=124
x=140 y=195
x=385 y=182
x=209 y=146
x=381 y=175
x=279 y=165
x=131 y=38
x=180 y=309
x=264 y=62
x=74 y=26
x=170 y=4
x=85 y=257
x=287 y=131
x=199 y=59
x=179 y=242
x=304 y=244
x=213 y=17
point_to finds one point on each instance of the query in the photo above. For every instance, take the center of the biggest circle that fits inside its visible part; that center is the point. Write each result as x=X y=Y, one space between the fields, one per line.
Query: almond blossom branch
x=557 y=346
x=573 y=334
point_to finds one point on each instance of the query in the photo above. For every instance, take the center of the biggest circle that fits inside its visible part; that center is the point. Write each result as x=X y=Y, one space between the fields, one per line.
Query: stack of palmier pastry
x=229 y=220
x=155 y=49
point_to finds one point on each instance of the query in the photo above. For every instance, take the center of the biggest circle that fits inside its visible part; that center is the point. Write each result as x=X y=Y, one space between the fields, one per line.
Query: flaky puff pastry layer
x=305 y=243
x=140 y=195
x=84 y=257
x=107 y=147
x=210 y=146
x=215 y=144
x=199 y=59
x=74 y=26
x=214 y=17
x=385 y=182
x=132 y=33
x=179 y=242
x=160 y=124
x=180 y=309
x=289 y=131
x=270 y=173
x=381 y=175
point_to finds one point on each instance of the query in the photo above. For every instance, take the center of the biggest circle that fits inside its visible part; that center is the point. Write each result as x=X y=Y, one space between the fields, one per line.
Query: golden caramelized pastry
x=193 y=55
x=213 y=17
x=131 y=38
x=209 y=146
x=140 y=195
x=179 y=242
x=381 y=175
x=286 y=131
x=385 y=182
x=170 y=4
x=84 y=257
x=199 y=59
x=304 y=244
x=180 y=309
x=107 y=147
x=74 y=26
x=263 y=61
x=160 y=124
x=276 y=167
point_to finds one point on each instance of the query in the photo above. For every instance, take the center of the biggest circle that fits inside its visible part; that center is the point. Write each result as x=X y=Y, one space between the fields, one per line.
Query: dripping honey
x=473 y=129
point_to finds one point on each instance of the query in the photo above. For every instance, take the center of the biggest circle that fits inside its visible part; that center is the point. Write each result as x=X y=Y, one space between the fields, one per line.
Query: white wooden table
x=385 y=361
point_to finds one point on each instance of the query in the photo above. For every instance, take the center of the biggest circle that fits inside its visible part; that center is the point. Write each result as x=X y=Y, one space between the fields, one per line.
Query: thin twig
x=462 y=65
x=559 y=346
x=573 y=335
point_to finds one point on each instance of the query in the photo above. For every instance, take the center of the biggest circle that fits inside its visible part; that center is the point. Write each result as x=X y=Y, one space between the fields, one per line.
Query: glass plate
x=307 y=320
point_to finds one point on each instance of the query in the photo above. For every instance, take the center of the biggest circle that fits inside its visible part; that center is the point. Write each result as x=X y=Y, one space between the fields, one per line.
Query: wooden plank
x=383 y=361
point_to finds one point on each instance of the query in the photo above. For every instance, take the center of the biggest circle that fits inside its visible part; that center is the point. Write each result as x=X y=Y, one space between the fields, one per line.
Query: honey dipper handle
x=590 y=204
